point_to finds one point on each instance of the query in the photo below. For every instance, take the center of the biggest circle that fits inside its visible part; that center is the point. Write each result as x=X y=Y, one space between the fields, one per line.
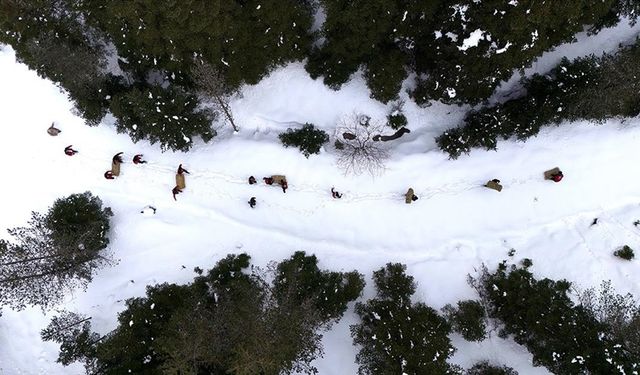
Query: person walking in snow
x=180 y=180
x=115 y=164
x=409 y=196
x=335 y=194
x=278 y=179
x=252 y=202
x=70 y=151
x=252 y=180
x=109 y=175
x=494 y=184
x=175 y=192
x=53 y=131
x=554 y=174
x=148 y=210
x=137 y=159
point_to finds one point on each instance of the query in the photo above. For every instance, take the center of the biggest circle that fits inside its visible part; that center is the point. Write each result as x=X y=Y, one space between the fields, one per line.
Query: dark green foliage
x=468 y=319
x=73 y=332
x=620 y=312
x=562 y=336
x=396 y=336
x=485 y=368
x=526 y=263
x=156 y=44
x=625 y=253
x=389 y=38
x=166 y=116
x=244 y=39
x=55 y=252
x=299 y=278
x=590 y=88
x=79 y=218
x=49 y=37
x=229 y=320
x=308 y=139
x=396 y=120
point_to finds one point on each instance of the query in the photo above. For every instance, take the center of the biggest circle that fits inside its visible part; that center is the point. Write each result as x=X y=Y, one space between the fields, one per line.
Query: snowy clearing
x=454 y=226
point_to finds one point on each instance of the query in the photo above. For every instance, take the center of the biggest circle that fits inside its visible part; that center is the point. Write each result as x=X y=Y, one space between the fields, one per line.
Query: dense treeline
x=565 y=337
x=229 y=320
x=133 y=58
x=591 y=88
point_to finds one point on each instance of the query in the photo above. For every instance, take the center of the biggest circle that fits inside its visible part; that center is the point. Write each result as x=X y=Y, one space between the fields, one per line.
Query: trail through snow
x=453 y=228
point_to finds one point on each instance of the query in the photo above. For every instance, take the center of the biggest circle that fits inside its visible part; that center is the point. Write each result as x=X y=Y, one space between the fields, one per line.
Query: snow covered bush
x=396 y=120
x=230 y=320
x=396 y=336
x=55 y=252
x=625 y=253
x=486 y=368
x=468 y=319
x=167 y=116
x=308 y=139
x=564 y=337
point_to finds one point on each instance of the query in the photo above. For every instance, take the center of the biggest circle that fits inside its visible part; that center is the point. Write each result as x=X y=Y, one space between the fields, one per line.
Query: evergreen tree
x=308 y=139
x=467 y=319
x=73 y=332
x=561 y=336
x=299 y=279
x=485 y=368
x=166 y=116
x=229 y=320
x=590 y=88
x=55 y=252
x=397 y=336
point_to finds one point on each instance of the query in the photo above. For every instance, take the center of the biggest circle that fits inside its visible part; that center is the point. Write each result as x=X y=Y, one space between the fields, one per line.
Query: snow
x=453 y=228
x=472 y=40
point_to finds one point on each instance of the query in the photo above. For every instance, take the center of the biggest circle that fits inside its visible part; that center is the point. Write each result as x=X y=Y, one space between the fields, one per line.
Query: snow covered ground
x=454 y=227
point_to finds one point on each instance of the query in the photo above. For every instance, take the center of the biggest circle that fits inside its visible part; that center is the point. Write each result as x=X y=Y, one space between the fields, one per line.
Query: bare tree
x=358 y=152
x=210 y=82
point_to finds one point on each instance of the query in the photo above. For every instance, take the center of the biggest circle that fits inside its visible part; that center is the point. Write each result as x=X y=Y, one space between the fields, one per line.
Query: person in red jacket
x=70 y=151
x=109 y=175
x=557 y=177
x=137 y=159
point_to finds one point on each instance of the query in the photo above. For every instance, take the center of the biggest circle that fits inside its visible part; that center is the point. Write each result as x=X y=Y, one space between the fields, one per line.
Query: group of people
x=554 y=174
x=282 y=181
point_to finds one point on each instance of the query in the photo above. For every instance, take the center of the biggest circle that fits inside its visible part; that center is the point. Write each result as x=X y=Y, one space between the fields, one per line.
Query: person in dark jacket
x=53 y=131
x=182 y=170
x=252 y=202
x=137 y=159
x=175 y=192
x=335 y=194
x=109 y=175
x=409 y=196
x=252 y=180
x=70 y=151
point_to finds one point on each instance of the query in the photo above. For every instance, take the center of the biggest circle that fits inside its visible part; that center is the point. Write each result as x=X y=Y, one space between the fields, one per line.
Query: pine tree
x=397 y=336
x=73 y=332
x=55 y=252
x=166 y=116
x=468 y=319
